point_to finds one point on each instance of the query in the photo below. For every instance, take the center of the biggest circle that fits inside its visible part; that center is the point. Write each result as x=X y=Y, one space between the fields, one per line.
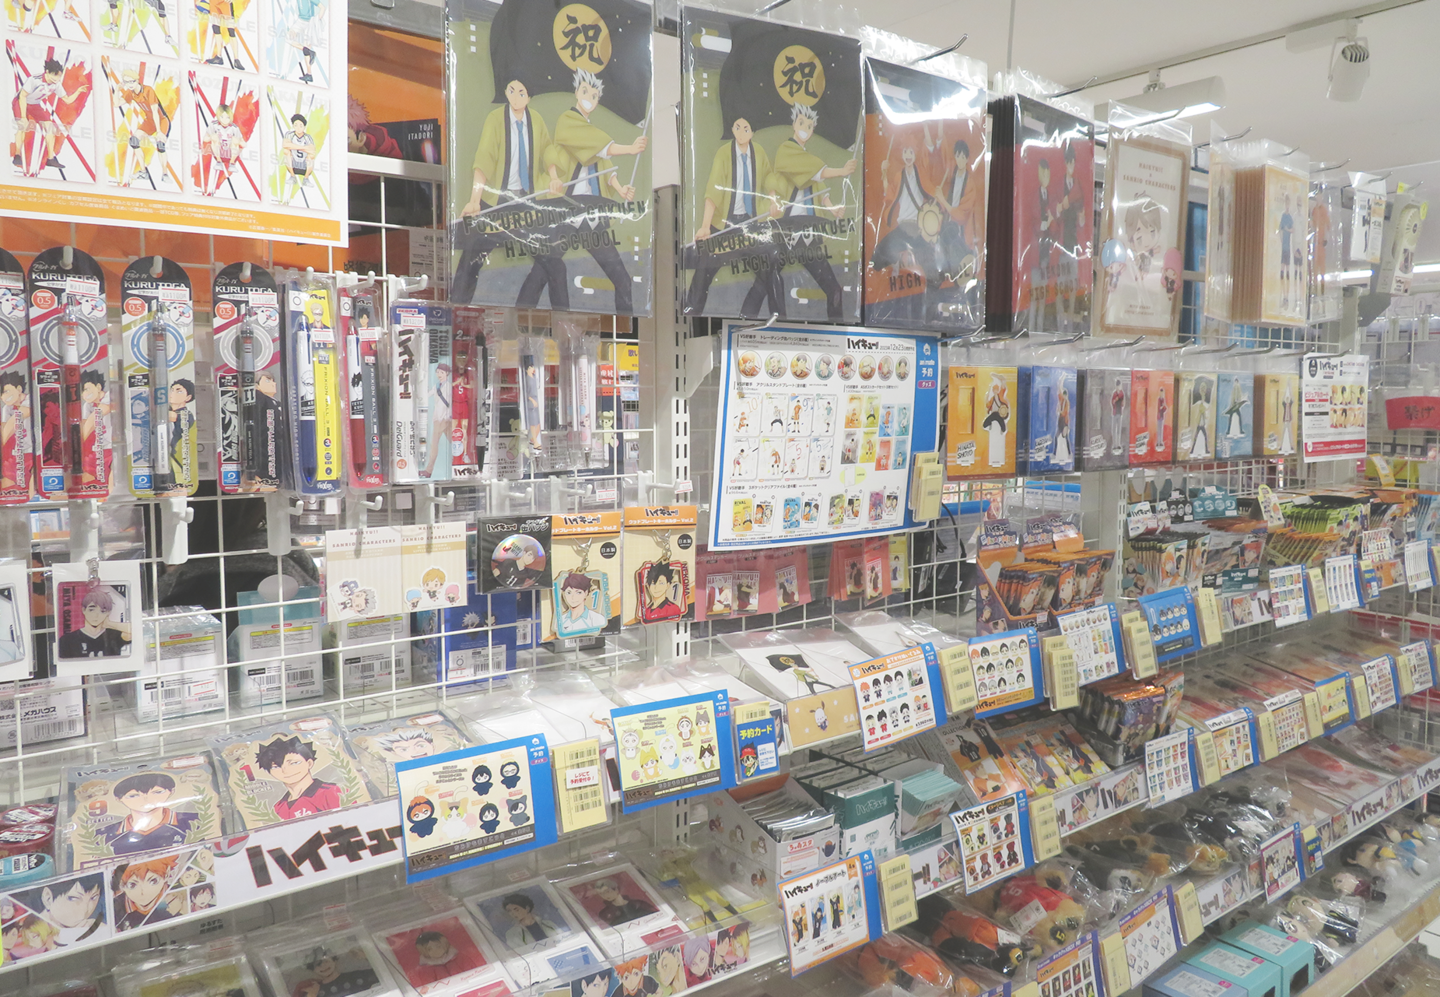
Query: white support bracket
x=84 y=530
x=176 y=515
x=702 y=355
x=279 y=507
x=431 y=501
x=356 y=506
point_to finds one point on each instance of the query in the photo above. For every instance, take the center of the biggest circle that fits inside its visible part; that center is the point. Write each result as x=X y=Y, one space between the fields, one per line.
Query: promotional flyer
x=1334 y=407
x=819 y=429
x=673 y=749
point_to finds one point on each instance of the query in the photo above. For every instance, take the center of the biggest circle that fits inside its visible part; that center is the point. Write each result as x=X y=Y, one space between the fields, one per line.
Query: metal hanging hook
x=939 y=52
x=1065 y=93
x=1229 y=138
x=1115 y=346
x=1213 y=349
x=1327 y=167
x=771 y=6
x=774 y=317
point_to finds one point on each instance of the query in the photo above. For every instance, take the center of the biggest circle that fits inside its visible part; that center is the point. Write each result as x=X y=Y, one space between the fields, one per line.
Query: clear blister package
x=535 y=930
x=219 y=970
x=339 y=963
x=439 y=951
x=620 y=909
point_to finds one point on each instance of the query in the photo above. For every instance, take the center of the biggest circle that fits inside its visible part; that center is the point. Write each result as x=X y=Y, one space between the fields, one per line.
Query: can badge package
x=551 y=111
x=772 y=134
x=111 y=811
x=924 y=228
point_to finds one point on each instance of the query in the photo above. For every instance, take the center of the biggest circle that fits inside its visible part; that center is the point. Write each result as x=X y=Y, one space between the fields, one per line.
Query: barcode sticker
x=412 y=320
x=87 y=286
x=580 y=793
x=259 y=297
x=172 y=292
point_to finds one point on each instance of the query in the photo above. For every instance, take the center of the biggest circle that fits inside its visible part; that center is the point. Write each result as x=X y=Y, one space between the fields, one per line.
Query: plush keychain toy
x=965 y=937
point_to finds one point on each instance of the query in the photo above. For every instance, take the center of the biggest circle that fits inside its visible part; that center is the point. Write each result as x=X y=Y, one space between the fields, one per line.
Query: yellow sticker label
x=1031 y=989
x=1314 y=723
x=1210 y=632
x=1319 y=601
x=1117 y=967
x=578 y=787
x=1061 y=676
x=1362 y=696
x=897 y=893
x=1187 y=902
x=955 y=672
x=1269 y=739
x=1140 y=649
x=1209 y=760
x=1044 y=828
x=1407 y=678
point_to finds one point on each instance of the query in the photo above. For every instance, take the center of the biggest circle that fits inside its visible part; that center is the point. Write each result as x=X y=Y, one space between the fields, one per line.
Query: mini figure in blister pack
x=582 y=598
x=663 y=584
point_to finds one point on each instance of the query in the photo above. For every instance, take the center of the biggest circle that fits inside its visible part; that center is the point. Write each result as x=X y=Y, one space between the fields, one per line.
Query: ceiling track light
x=1349 y=56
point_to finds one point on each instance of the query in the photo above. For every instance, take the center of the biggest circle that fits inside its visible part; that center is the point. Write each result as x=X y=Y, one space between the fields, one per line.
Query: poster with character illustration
x=674 y=748
x=771 y=209
x=475 y=805
x=223 y=138
x=550 y=113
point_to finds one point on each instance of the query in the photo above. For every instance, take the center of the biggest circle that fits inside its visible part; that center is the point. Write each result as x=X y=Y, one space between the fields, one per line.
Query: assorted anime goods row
x=825 y=178
x=319 y=388
x=597 y=931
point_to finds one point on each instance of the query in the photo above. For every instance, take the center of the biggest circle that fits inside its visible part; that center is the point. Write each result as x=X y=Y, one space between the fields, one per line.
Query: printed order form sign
x=1334 y=404
x=225 y=119
x=817 y=431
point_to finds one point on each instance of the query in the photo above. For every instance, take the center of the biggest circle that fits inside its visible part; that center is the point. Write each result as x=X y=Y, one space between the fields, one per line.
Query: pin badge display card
x=771 y=147
x=925 y=150
x=551 y=115
x=97 y=607
x=830 y=911
x=475 y=805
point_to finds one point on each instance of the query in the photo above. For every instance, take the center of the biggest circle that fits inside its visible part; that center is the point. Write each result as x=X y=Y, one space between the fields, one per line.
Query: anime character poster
x=299 y=167
x=924 y=230
x=226 y=33
x=297 y=39
x=52 y=136
x=674 y=749
x=1052 y=221
x=118 y=810
x=290 y=770
x=67 y=19
x=61 y=914
x=95 y=617
x=148 y=27
x=1143 y=229
x=772 y=138
x=157 y=888
x=550 y=111
x=475 y=805
x=142 y=133
x=224 y=140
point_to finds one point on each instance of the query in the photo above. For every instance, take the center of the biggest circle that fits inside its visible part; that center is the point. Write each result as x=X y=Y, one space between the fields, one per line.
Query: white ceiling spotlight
x=1184 y=100
x=1349 y=55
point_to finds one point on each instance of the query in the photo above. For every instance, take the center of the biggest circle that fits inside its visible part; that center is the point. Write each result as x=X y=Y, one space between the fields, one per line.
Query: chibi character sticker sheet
x=343 y=964
x=381 y=744
x=551 y=115
x=924 y=225
x=1006 y=671
x=58 y=915
x=809 y=906
x=673 y=749
x=621 y=910
x=771 y=143
x=898 y=695
x=530 y=919
x=1151 y=934
x=475 y=805
x=165 y=113
x=154 y=889
x=994 y=839
x=1143 y=230
x=289 y=770
x=111 y=811
x=819 y=429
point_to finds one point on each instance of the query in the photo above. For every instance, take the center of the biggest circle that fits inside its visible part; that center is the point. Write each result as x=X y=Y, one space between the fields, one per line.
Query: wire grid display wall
x=229 y=550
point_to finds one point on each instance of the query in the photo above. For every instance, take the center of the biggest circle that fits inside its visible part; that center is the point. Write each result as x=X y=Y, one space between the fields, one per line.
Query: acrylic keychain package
x=421 y=391
x=157 y=333
x=584 y=599
x=659 y=562
x=17 y=449
x=470 y=405
x=70 y=361
x=924 y=223
x=15 y=648
x=363 y=397
x=578 y=339
x=313 y=372
x=97 y=607
x=289 y=770
x=111 y=811
x=1142 y=228
x=248 y=379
